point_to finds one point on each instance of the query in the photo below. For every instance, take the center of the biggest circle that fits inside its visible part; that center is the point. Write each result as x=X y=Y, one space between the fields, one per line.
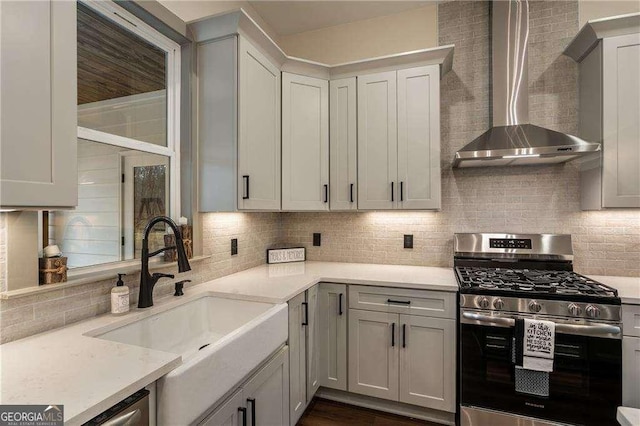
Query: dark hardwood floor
x=322 y=412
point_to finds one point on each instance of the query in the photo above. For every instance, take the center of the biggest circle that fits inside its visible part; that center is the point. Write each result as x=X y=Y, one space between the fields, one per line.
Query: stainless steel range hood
x=512 y=140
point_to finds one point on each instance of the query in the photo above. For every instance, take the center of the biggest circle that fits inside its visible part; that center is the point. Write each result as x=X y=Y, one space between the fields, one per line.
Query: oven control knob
x=483 y=302
x=498 y=304
x=593 y=311
x=535 y=306
x=575 y=310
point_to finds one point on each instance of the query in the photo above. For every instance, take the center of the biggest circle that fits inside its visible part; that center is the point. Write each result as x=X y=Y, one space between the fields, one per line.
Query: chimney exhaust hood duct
x=512 y=140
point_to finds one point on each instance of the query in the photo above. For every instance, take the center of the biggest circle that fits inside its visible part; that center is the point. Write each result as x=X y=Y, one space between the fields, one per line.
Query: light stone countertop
x=628 y=416
x=88 y=375
x=628 y=287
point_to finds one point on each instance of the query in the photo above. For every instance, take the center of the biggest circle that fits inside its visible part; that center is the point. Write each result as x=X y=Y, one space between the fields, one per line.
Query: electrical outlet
x=316 y=239
x=234 y=246
x=408 y=241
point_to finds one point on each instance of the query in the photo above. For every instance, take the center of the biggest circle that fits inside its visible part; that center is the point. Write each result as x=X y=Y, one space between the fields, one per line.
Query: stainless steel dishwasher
x=131 y=411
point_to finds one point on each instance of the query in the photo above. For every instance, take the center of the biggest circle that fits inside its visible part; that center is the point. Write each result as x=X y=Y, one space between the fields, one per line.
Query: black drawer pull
x=393 y=334
x=340 y=304
x=399 y=302
x=246 y=185
x=306 y=313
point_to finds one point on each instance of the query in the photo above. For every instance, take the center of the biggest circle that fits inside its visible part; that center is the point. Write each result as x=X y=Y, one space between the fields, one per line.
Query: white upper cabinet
x=377 y=141
x=419 y=138
x=259 y=130
x=399 y=139
x=238 y=126
x=38 y=166
x=608 y=111
x=620 y=121
x=343 y=144
x=305 y=143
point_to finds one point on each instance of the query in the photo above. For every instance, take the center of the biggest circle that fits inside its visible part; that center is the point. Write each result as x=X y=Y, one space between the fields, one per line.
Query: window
x=128 y=138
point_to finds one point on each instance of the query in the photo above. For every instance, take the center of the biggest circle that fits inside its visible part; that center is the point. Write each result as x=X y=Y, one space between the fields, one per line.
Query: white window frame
x=111 y=11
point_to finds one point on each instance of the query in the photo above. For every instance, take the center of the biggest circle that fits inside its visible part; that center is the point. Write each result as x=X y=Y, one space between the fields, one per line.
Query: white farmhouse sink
x=220 y=340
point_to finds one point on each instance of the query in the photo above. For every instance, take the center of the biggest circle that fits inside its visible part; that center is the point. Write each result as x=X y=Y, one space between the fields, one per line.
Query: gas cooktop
x=531 y=282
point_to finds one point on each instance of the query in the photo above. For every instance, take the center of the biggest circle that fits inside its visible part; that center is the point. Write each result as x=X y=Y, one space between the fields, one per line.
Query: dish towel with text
x=538 y=344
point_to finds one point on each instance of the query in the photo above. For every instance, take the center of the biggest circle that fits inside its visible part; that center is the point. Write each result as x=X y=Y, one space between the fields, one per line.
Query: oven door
x=583 y=389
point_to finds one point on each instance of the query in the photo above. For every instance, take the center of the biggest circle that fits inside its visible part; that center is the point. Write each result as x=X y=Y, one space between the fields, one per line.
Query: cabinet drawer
x=631 y=320
x=403 y=301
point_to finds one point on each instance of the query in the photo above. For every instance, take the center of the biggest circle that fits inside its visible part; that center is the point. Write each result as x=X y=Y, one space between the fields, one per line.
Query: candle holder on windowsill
x=53 y=270
x=187 y=240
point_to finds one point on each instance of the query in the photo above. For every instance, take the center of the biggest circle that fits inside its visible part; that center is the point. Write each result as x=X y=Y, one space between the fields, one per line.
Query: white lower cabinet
x=405 y=358
x=631 y=371
x=427 y=362
x=304 y=376
x=373 y=354
x=262 y=400
x=333 y=335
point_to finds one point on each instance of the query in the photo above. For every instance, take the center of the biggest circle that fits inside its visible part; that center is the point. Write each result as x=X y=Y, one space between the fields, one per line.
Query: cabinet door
x=342 y=140
x=38 y=104
x=419 y=138
x=631 y=371
x=621 y=127
x=305 y=143
x=377 y=141
x=427 y=362
x=373 y=354
x=217 y=127
x=313 y=349
x=259 y=134
x=229 y=413
x=297 y=358
x=266 y=395
x=333 y=335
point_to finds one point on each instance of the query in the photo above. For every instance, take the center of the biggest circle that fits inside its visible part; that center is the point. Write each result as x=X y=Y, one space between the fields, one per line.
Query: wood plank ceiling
x=113 y=62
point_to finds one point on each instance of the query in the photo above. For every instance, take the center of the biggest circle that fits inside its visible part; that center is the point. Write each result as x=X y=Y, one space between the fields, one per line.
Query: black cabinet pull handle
x=252 y=401
x=401 y=191
x=340 y=304
x=393 y=334
x=351 y=192
x=392 y=197
x=399 y=302
x=246 y=185
x=243 y=413
x=404 y=335
x=326 y=193
x=306 y=313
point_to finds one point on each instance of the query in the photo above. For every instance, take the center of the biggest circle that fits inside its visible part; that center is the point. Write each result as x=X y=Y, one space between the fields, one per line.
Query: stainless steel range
x=505 y=277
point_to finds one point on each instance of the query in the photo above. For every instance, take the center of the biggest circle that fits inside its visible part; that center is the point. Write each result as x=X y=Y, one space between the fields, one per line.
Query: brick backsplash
x=541 y=199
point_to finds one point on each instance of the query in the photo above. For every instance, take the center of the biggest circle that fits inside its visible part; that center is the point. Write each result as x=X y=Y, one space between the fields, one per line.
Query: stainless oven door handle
x=579 y=329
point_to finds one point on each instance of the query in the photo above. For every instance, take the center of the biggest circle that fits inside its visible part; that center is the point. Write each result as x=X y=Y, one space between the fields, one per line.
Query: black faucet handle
x=179 y=286
x=157 y=275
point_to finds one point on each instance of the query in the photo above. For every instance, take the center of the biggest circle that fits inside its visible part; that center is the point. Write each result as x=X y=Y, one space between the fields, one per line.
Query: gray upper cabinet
x=238 y=127
x=609 y=110
x=39 y=105
x=305 y=143
x=343 y=144
x=399 y=139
